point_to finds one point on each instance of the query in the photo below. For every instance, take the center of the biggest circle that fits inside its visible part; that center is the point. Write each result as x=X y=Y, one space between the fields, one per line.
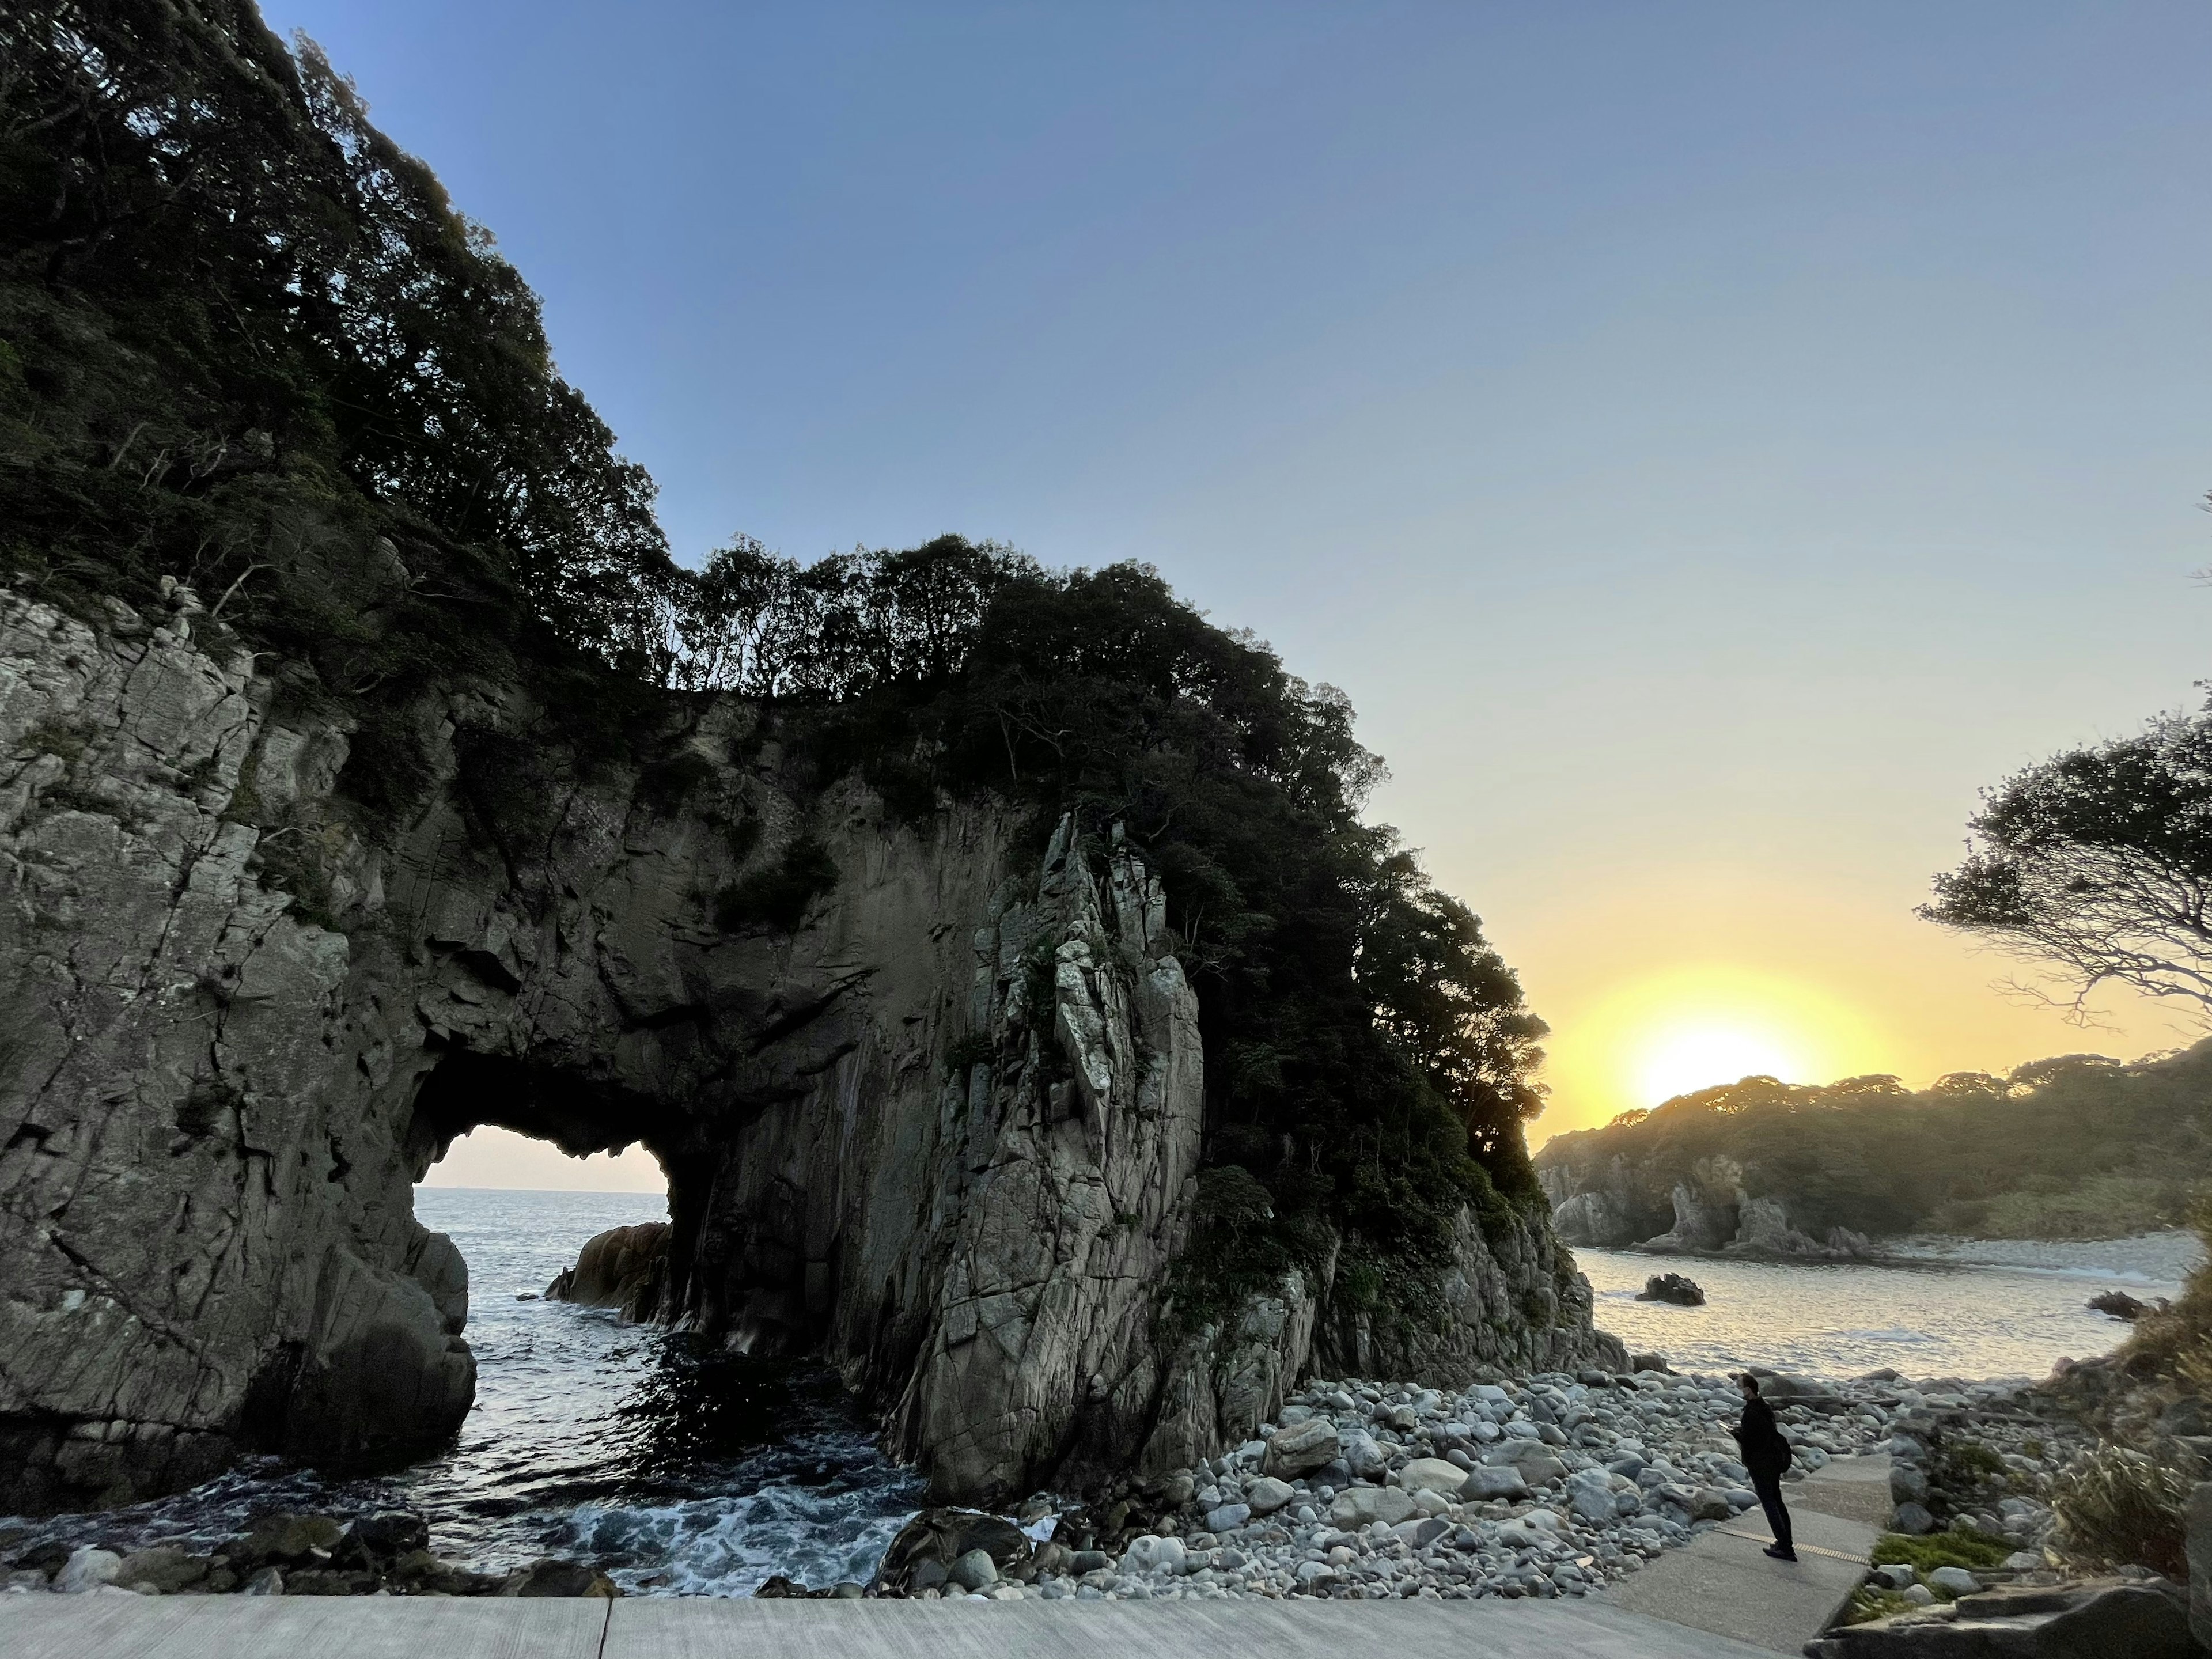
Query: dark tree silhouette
x=2100 y=862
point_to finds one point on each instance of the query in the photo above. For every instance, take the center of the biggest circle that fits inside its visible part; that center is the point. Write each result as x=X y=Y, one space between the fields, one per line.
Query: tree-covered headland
x=249 y=348
x=2078 y=1147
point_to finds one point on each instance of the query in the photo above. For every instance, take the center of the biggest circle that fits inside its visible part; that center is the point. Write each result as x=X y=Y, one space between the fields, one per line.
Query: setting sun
x=1675 y=1061
x=1701 y=1024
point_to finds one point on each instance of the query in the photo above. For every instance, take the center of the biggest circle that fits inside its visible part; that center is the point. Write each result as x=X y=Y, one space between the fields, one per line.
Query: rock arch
x=932 y=1117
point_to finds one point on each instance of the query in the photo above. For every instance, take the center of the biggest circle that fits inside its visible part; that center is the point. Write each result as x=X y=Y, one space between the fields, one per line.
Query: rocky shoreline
x=1547 y=1485
x=1550 y=1486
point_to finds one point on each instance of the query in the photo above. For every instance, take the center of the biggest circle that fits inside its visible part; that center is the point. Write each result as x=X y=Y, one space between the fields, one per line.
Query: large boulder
x=1301 y=1448
x=2087 y=1621
x=624 y=1267
x=1359 y=1506
x=1431 y=1474
x=928 y=1548
x=1671 y=1288
x=2199 y=1520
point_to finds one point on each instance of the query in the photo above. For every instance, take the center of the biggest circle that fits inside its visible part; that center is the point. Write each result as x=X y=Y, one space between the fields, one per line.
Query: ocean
x=682 y=1470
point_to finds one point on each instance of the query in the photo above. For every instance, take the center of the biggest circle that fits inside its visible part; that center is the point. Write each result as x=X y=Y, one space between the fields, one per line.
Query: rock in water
x=623 y=1268
x=87 y=1568
x=551 y=1577
x=927 y=1550
x=2118 y=1304
x=1671 y=1288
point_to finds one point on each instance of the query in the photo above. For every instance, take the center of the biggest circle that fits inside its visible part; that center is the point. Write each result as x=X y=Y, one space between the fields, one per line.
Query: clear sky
x=1708 y=442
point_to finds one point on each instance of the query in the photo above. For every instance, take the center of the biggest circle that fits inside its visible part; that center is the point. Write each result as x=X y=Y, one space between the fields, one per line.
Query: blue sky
x=1707 y=441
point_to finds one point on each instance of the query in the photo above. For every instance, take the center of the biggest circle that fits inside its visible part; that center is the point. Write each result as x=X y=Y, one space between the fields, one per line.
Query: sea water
x=677 y=1467
x=1938 y=1312
x=683 y=1470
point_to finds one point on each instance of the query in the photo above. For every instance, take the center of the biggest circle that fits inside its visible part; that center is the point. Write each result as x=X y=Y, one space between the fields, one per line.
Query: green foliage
x=2094 y=862
x=777 y=897
x=2118 y=1507
x=1871 y=1602
x=1230 y=1201
x=2074 y=1146
x=1976 y=1550
x=967 y=1051
x=248 y=344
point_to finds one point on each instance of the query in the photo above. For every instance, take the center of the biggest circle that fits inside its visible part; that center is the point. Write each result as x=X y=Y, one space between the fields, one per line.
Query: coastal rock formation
x=624 y=1267
x=1612 y=1204
x=930 y=1101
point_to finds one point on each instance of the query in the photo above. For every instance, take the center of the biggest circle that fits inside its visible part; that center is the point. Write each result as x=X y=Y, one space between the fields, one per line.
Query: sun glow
x=1706 y=1024
x=1677 y=1060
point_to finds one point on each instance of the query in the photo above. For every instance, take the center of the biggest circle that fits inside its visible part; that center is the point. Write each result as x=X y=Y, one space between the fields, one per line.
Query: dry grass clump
x=2119 y=1508
x=2176 y=1341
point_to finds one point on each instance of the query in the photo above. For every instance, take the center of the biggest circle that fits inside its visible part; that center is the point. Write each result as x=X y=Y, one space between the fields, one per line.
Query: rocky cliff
x=930 y=1103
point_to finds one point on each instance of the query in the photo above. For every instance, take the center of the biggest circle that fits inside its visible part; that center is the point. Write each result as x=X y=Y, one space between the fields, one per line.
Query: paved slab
x=300 y=1628
x=388 y=1627
x=1237 y=1629
x=1854 y=1488
x=1725 y=1583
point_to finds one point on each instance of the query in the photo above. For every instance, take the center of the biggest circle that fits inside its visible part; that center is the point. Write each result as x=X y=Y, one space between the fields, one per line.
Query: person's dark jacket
x=1765 y=1451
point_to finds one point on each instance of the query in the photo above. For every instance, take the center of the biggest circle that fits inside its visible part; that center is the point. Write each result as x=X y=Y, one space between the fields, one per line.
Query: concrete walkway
x=1724 y=1583
x=389 y=1627
x=1718 y=1599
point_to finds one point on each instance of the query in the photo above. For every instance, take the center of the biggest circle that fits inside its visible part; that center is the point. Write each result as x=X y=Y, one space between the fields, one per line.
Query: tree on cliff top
x=247 y=342
x=2099 y=860
x=1370 y=1058
x=242 y=334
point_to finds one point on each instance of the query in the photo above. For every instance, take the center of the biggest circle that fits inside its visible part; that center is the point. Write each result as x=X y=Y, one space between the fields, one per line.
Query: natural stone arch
x=215 y=1105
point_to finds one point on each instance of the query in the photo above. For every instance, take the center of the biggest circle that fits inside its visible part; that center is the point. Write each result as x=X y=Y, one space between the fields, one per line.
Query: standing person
x=1766 y=1454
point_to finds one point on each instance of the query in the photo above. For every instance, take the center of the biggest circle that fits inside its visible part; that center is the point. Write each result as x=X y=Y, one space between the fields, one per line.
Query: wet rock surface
x=624 y=1267
x=283 y=1554
x=1671 y=1288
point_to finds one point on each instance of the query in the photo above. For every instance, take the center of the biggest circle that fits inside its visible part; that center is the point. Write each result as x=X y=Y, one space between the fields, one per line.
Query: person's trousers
x=1768 y=1486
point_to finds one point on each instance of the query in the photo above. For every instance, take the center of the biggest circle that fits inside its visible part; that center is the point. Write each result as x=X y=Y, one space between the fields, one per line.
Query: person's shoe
x=1780 y=1553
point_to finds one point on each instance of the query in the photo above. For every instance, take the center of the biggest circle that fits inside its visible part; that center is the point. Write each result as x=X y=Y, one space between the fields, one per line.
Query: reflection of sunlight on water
x=1843 y=1318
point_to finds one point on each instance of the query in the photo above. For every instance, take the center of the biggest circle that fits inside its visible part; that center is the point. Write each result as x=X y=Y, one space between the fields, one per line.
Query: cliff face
x=940 y=1128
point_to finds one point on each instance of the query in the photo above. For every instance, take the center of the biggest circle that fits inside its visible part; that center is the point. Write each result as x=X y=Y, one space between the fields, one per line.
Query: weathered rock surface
x=2198 y=1519
x=1671 y=1288
x=624 y=1267
x=941 y=1131
x=1706 y=1206
x=2091 y=1621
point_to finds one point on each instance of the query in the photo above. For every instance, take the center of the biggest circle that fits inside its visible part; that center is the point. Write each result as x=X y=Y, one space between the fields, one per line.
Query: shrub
x=970 y=1049
x=2118 y=1507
